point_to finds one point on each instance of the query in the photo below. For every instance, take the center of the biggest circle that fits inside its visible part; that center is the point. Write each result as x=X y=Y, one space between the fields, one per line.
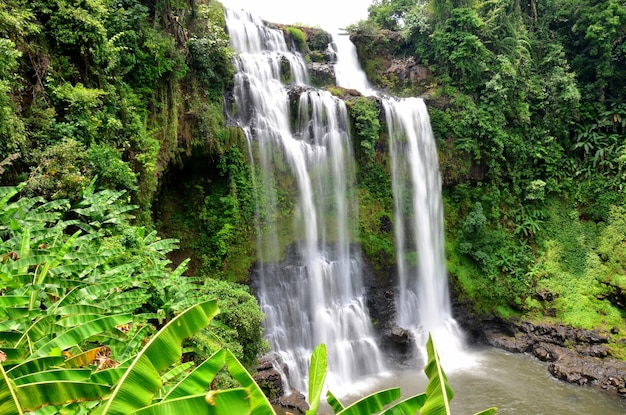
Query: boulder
x=294 y=402
x=269 y=377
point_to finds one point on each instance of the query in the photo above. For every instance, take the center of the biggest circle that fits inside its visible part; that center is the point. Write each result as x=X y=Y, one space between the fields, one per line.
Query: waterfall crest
x=422 y=302
x=316 y=295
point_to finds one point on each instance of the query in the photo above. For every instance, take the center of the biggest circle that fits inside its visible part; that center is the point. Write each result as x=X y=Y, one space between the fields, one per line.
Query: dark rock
x=295 y=402
x=400 y=335
x=271 y=372
x=385 y=224
x=408 y=69
x=518 y=344
x=577 y=356
x=544 y=296
x=322 y=74
x=268 y=376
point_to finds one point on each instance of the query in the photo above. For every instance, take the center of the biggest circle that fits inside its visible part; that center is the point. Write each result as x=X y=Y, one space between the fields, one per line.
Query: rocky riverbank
x=576 y=356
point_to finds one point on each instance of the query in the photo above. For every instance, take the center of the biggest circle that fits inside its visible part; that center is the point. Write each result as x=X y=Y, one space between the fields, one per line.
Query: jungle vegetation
x=527 y=102
x=107 y=106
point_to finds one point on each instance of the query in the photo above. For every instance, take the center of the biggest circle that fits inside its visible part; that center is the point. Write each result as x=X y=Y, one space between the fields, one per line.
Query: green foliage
x=67 y=168
x=459 y=49
x=579 y=266
x=106 y=163
x=141 y=380
x=106 y=262
x=61 y=172
x=298 y=37
x=241 y=329
x=76 y=28
x=497 y=275
x=11 y=126
x=109 y=75
x=365 y=115
x=389 y=14
x=594 y=34
x=78 y=115
x=211 y=56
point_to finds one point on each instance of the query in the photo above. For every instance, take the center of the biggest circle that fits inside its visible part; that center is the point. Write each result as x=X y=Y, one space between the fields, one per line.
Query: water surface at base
x=516 y=384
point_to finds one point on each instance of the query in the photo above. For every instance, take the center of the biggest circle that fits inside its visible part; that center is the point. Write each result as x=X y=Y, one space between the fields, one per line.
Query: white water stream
x=317 y=296
x=422 y=304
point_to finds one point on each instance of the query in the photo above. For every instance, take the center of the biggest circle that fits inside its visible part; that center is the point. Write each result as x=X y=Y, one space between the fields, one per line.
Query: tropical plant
x=141 y=384
x=81 y=289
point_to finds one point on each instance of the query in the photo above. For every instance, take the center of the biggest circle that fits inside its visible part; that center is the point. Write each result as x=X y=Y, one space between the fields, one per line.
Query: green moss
x=338 y=92
x=375 y=232
x=298 y=37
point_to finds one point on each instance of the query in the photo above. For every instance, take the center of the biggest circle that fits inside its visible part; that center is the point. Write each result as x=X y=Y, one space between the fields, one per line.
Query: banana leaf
x=141 y=381
x=198 y=380
x=9 y=404
x=438 y=391
x=78 y=334
x=259 y=405
x=13 y=300
x=334 y=402
x=409 y=406
x=75 y=375
x=35 y=395
x=108 y=376
x=84 y=358
x=223 y=402
x=77 y=320
x=490 y=411
x=372 y=403
x=177 y=372
x=317 y=376
x=35 y=365
x=38 y=329
x=6 y=193
x=74 y=309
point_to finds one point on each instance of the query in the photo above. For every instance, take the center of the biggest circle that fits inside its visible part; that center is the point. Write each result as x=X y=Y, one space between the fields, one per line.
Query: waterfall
x=316 y=295
x=422 y=303
x=348 y=73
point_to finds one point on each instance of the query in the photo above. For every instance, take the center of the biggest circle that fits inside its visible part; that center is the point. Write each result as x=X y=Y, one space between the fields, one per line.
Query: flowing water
x=423 y=305
x=317 y=295
x=348 y=73
x=516 y=384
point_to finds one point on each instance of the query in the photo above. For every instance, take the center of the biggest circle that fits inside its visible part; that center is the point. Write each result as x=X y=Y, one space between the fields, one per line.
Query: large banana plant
x=72 y=303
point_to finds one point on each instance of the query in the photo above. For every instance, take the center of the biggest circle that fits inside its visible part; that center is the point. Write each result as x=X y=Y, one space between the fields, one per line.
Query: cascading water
x=316 y=295
x=423 y=300
x=423 y=304
x=348 y=73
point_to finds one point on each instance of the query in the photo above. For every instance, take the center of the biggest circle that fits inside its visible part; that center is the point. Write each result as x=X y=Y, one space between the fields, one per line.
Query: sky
x=328 y=14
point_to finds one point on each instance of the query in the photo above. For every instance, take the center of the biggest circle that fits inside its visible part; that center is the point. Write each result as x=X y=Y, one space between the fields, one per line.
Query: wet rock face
x=295 y=403
x=576 y=356
x=321 y=74
x=408 y=69
x=269 y=379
